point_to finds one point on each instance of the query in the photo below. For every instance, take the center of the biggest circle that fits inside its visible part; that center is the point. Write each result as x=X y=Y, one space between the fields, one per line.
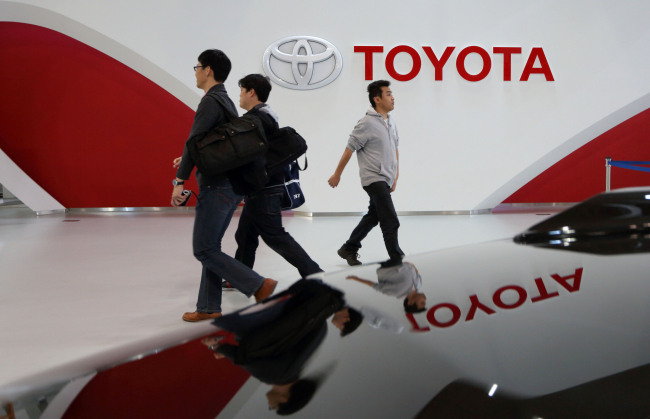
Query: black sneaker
x=351 y=256
x=225 y=286
x=391 y=262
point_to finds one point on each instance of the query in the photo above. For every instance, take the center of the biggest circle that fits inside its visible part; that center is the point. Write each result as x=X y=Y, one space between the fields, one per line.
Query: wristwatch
x=176 y=182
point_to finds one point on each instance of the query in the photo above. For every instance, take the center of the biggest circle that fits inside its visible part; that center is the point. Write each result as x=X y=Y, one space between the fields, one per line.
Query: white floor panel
x=77 y=285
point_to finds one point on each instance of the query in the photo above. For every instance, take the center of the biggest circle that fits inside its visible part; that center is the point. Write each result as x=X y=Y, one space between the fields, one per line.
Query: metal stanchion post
x=608 y=169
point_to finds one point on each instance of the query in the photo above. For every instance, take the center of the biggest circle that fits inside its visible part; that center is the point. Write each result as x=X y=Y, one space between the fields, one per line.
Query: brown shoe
x=265 y=291
x=197 y=316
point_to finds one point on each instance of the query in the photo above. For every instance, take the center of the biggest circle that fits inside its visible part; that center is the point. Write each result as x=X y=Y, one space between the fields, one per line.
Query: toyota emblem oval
x=302 y=62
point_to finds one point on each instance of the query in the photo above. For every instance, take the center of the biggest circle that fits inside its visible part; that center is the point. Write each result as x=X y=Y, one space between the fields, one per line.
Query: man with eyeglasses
x=216 y=201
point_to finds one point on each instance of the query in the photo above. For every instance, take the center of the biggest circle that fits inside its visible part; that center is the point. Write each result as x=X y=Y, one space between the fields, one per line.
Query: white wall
x=461 y=142
x=28 y=191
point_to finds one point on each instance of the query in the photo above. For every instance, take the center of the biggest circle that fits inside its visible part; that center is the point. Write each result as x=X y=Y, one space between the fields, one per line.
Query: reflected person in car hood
x=274 y=339
x=401 y=281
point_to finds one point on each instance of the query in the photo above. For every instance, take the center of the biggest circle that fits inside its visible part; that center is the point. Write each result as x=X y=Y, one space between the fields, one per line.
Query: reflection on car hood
x=611 y=223
x=506 y=331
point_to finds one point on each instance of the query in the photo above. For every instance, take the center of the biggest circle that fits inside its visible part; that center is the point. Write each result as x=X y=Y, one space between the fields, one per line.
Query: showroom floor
x=78 y=285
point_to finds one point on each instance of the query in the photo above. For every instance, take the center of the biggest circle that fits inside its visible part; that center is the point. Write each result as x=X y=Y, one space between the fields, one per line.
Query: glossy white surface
x=105 y=286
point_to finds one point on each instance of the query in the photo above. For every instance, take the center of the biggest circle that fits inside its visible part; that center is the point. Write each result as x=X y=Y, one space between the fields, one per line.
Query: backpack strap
x=306 y=164
x=231 y=116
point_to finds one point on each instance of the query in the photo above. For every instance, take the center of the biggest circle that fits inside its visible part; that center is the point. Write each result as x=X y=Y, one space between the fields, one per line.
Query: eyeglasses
x=199 y=66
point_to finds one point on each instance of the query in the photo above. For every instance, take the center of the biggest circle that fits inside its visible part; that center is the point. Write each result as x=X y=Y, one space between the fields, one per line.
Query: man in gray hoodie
x=375 y=141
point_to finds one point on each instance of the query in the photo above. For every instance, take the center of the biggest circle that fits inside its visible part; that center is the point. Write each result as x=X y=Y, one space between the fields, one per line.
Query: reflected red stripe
x=185 y=381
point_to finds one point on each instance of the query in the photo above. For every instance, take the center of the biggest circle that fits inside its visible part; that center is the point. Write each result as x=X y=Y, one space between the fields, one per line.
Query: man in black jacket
x=274 y=339
x=262 y=213
x=217 y=201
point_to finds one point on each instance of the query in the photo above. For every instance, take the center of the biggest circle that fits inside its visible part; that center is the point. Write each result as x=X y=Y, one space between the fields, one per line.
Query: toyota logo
x=302 y=62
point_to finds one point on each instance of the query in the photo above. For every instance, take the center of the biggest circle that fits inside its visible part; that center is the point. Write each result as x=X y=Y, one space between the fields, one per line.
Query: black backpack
x=312 y=304
x=229 y=145
x=284 y=146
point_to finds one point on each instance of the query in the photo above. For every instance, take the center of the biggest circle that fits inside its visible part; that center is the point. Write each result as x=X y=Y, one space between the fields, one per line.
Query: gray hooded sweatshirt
x=375 y=140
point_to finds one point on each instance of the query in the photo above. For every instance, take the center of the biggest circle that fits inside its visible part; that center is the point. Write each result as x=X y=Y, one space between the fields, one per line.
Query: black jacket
x=252 y=177
x=303 y=307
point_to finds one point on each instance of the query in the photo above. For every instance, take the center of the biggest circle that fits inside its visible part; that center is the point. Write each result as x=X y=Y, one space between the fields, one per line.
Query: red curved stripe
x=94 y=133
x=581 y=174
x=89 y=130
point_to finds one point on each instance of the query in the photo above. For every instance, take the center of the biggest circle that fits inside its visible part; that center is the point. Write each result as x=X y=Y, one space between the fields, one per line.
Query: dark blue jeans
x=214 y=209
x=380 y=211
x=262 y=216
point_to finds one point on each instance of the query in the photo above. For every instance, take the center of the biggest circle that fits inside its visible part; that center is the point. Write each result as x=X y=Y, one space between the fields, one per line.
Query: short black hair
x=259 y=83
x=412 y=308
x=355 y=320
x=300 y=394
x=374 y=90
x=218 y=61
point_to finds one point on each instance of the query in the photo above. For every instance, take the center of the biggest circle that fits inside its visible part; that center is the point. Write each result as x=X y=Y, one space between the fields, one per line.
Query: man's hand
x=212 y=343
x=177 y=162
x=336 y=177
x=334 y=180
x=363 y=281
x=392 y=189
x=177 y=196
